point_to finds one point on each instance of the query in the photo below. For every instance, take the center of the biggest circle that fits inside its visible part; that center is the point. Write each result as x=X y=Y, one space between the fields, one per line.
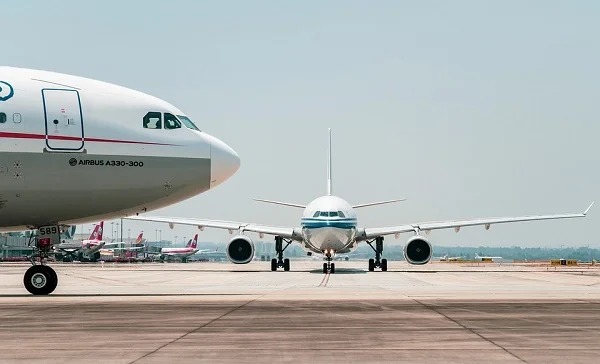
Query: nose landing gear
x=40 y=279
x=329 y=267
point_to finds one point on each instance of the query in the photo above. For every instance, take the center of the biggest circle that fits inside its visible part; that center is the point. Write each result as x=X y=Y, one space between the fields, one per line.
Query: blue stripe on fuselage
x=313 y=223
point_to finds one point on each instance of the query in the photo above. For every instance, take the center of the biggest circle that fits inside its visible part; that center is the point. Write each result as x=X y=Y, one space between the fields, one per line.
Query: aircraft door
x=64 y=119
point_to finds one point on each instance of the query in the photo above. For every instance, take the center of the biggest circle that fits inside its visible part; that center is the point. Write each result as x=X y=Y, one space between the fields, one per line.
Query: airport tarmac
x=218 y=312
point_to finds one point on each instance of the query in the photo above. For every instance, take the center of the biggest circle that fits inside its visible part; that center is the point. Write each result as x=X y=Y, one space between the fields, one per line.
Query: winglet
x=588 y=209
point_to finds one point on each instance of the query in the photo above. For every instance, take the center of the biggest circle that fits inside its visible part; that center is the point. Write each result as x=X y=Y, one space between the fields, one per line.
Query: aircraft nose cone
x=224 y=162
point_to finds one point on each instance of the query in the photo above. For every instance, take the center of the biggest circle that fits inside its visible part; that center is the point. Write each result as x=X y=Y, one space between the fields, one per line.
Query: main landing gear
x=40 y=279
x=279 y=249
x=378 y=249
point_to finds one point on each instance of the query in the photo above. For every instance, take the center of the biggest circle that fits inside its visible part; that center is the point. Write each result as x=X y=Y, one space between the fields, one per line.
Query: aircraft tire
x=40 y=280
x=286 y=265
x=371 y=265
x=332 y=269
x=273 y=265
x=384 y=265
x=325 y=268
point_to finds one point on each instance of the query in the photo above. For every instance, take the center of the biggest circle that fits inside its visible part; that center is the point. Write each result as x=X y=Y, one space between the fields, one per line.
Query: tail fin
x=97 y=233
x=329 y=189
x=189 y=243
x=195 y=242
x=138 y=241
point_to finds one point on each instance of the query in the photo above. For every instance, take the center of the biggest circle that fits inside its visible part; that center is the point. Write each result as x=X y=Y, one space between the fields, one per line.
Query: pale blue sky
x=467 y=108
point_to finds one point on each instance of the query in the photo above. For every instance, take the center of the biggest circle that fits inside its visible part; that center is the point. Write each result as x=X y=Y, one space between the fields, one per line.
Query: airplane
x=329 y=226
x=486 y=259
x=136 y=246
x=64 y=138
x=182 y=253
x=86 y=250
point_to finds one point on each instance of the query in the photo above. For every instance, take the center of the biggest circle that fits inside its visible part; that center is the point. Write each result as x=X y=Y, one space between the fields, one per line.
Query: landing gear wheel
x=40 y=280
x=371 y=265
x=273 y=265
x=286 y=265
x=324 y=268
x=384 y=265
x=332 y=269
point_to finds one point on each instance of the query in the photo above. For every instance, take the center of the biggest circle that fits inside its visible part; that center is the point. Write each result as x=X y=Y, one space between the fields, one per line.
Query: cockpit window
x=333 y=213
x=171 y=122
x=317 y=214
x=324 y=213
x=187 y=122
x=341 y=214
x=153 y=120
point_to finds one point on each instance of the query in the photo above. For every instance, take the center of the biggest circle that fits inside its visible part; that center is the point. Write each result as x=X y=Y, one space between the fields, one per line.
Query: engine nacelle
x=417 y=250
x=240 y=249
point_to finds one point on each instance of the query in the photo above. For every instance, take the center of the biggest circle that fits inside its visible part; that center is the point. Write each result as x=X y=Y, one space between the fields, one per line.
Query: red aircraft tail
x=195 y=242
x=97 y=233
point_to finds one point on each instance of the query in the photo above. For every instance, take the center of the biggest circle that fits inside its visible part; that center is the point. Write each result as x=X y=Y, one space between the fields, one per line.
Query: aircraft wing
x=221 y=224
x=371 y=233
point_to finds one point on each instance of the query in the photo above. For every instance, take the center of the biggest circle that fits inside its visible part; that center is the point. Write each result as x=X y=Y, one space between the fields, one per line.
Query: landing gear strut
x=279 y=249
x=328 y=267
x=378 y=249
x=40 y=279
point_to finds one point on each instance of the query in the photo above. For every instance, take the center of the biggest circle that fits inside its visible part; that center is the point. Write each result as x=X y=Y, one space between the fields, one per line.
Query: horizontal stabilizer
x=281 y=203
x=377 y=203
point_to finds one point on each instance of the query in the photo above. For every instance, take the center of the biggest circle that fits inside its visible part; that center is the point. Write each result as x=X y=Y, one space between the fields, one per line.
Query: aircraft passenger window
x=171 y=122
x=153 y=120
x=341 y=214
x=17 y=118
x=2 y=118
x=187 y=122
x=317 y=214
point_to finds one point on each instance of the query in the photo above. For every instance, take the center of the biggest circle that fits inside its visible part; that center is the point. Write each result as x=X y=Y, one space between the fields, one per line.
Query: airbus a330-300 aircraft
x=69 y=147
x=329 y=226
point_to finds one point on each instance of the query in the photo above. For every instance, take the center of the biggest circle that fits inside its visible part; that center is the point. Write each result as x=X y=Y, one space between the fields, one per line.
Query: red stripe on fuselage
x=11 y=135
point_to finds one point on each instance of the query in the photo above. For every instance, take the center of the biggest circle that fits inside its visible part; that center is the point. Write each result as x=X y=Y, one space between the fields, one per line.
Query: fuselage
x=64 y=139
x=329 y=226
x=179 y=252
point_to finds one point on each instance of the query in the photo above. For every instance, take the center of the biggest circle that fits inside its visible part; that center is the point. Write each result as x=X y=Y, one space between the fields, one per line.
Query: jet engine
x=417 y=250
x=240 y=249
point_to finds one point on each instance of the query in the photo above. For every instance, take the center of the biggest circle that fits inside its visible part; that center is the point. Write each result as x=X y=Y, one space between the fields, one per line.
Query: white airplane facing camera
x=329 y=226
x=65 y=138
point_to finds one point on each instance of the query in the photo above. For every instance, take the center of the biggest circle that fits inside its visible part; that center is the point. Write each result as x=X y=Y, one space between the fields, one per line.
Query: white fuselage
x=329 y=226
x=64 y=139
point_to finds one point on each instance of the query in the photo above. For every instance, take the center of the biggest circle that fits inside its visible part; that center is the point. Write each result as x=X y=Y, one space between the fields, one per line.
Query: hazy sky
x=467 y=108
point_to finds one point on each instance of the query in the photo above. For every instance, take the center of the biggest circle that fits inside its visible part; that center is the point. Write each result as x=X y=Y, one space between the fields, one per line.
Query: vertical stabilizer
x=97 y=232
x=329 y=190
x=195 y=242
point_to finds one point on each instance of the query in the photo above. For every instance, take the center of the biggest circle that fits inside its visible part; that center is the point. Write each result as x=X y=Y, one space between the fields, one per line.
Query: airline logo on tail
x=139 y=239
x=194 y=242
x=97 y=233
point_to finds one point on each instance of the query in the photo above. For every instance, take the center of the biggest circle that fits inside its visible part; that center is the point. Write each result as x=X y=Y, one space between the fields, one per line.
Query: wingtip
x=589 y=207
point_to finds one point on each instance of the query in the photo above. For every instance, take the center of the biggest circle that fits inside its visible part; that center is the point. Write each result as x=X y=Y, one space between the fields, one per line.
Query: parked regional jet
x=88 y=249
x=329 y=226
x=65 y=138
x=181 y=253
x=136 y=246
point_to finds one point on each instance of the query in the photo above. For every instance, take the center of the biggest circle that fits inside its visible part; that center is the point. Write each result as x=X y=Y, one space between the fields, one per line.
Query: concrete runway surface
x=216 y=312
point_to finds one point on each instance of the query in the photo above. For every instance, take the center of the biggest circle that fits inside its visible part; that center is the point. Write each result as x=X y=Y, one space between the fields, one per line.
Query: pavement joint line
x=469 y=329
x=196 y=329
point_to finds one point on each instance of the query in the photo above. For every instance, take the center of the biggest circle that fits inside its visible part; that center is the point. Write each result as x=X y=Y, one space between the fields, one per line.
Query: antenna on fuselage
x=329 y=190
